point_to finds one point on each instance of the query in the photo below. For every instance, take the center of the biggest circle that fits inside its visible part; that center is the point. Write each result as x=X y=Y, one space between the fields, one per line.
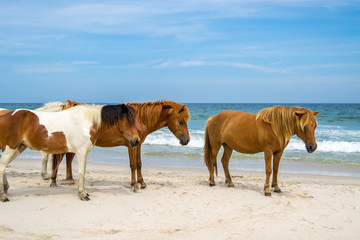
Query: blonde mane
x=149 y=112
x=51 y=107
x=283 y=121
x=91 y=113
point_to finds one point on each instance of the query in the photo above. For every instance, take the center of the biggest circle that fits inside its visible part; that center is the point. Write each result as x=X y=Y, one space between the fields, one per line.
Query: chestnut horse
x=73 y=130
x=151 y=117
x=268 y=131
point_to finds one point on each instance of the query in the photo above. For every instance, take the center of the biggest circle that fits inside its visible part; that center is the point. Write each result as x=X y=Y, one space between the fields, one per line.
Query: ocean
x=337 y=135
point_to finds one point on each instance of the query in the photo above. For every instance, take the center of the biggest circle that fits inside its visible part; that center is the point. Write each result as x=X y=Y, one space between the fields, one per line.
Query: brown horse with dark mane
x=268 y=131
x=151 y=117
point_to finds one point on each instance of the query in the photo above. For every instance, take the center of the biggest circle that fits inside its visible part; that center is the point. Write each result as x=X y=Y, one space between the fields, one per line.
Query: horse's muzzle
x=311 y=147
x=134 y=143
x=184 y=140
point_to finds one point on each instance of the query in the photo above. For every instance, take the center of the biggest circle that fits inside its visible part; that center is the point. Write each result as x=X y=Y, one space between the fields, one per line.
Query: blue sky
x=296 y=51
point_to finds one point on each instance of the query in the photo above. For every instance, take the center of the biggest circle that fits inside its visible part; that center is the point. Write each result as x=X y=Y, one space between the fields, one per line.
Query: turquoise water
x=337 y=135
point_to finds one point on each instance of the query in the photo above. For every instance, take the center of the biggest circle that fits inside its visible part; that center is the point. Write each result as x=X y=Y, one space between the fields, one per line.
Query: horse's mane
x=53 y=106
x=283 y=121
x=111 y=114
x=92 y=112
x=149 y=112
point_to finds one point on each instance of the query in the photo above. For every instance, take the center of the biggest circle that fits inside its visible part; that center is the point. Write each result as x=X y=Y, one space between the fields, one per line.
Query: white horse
x=74 y=130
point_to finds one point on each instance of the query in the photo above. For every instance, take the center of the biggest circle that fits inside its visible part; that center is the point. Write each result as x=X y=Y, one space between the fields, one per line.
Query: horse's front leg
x=56 y=160
x=267 y=155
x=276 y=162
x=81 y=159
x=132 y=159
x=138 y=167
x=44 y=160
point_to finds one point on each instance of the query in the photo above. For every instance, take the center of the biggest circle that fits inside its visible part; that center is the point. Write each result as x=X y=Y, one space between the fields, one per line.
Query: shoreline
x=124 y=169
x=177 y=204
x=184 y=162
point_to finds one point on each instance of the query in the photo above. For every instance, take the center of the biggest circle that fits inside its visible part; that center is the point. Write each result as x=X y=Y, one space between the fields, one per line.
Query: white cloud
x=44 y=68
x=84 y=62
x=185 y=64
x=329 y=65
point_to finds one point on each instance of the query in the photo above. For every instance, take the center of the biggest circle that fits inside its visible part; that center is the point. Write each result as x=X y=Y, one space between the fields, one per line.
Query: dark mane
x=111 y=114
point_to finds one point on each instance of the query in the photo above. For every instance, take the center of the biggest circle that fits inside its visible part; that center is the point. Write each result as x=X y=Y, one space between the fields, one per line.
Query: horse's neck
x=156 y=124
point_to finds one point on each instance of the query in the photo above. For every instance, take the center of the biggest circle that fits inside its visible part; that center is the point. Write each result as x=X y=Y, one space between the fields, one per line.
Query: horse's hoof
x=135 y=189
x=88 y=195
x=278 y=191
x=143 y=186
x=211 y=184
x=268 y=194
x=4 y=200
x=45 y=176
x=86 y=198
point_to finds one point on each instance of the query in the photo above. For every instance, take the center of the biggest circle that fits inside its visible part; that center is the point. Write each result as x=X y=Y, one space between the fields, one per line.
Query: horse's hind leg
x=276 y=161
x=7 y=156
x=69 y=159
x=225 y=162
x=44 y=160
x=214 y=151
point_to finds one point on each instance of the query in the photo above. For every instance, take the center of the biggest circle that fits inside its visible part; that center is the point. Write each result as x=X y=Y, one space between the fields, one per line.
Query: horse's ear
x=124 y=108
x=68 y=101
x=169 y=108
x=182 y=109
x=316 y=113
x=300 y=113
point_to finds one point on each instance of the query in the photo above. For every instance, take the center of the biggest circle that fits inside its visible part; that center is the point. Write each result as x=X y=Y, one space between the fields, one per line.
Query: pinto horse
x=72 y=130
x=151 y=117
x=49 y=107
x=268 y=131
x=54 y=107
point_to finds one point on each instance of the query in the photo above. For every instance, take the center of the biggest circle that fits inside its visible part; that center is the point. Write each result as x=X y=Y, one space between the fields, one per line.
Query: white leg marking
x=44 y=160
x=81 y=159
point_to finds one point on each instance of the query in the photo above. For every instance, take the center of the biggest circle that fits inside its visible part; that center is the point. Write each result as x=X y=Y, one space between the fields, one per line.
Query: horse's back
x=239 y=130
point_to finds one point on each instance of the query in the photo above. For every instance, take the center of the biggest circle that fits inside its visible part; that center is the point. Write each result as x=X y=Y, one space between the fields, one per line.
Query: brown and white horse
x=151 y=117
x=53 y=107
x=49 y=107
x=74 y=130
x=269 y=131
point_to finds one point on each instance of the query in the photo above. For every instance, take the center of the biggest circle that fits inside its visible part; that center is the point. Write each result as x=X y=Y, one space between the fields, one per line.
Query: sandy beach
x=177 y=204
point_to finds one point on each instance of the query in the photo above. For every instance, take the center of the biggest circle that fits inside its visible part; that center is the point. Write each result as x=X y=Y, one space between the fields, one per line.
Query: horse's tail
x=208 y=151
